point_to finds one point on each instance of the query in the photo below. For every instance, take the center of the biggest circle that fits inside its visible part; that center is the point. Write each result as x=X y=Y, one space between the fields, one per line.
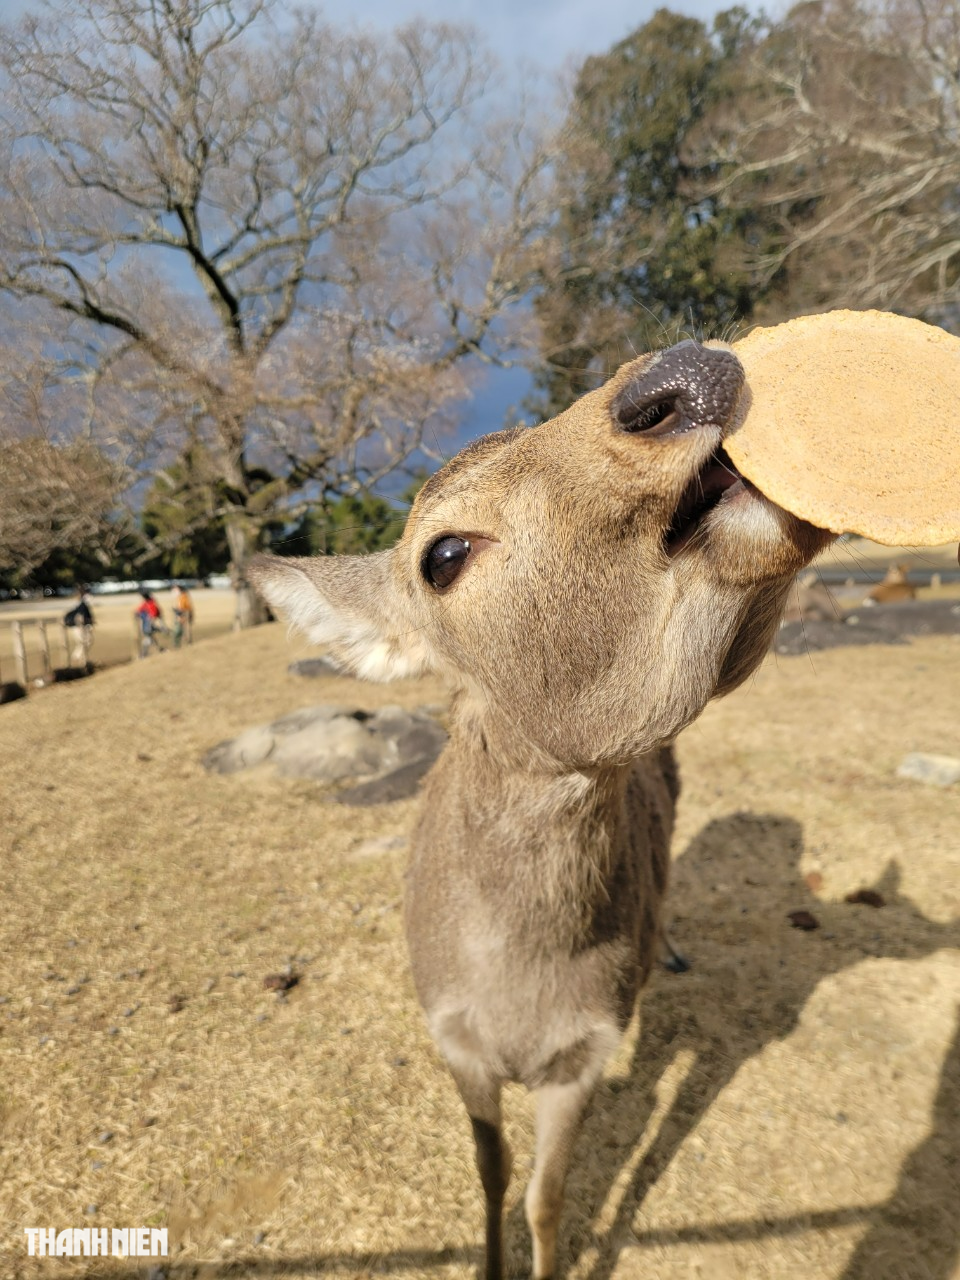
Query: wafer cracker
x=851 y=420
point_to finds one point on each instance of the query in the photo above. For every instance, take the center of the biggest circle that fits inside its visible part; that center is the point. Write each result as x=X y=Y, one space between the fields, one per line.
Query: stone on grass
x=383 y=753
x=937 y=771
x=314 y=667
x=249 y=749
x=399 y=784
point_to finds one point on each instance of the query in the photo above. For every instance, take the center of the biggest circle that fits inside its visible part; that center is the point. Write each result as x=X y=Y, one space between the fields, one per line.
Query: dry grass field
x=790 y=1109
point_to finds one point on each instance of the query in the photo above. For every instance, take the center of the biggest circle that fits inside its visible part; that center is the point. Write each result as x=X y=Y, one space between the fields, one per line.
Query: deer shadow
x=735 y=885
x=915 y=1235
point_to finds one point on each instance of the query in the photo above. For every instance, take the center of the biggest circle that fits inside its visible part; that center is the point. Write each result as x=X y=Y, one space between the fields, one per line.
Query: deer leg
x=482 y=1099
x=493 y=1161
x=670 y=957
x=560 y=1110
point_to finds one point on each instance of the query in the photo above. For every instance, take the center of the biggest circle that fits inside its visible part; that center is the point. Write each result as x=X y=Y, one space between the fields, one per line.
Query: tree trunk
x=242 y=541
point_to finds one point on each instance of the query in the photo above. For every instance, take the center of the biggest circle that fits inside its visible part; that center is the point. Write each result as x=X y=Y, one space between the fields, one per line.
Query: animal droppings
x=280 y=981
x=803 y=920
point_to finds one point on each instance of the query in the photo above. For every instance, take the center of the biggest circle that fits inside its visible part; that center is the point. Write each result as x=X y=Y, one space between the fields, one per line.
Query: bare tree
x=52 y=497
x=248 y=231
x=638 y=254
x=55 y=493
x=848 y=132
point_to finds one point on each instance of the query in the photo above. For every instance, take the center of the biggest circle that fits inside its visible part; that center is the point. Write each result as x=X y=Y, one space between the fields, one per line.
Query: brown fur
x=895 y=586
x=579 y=649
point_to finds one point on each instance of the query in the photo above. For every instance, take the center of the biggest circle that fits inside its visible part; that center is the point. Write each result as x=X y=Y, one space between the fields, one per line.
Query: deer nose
x=687 y=386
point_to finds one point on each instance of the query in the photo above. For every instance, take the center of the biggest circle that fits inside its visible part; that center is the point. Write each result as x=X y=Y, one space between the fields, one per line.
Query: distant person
x=150 y=621
x=79 y=622
x=182 y=617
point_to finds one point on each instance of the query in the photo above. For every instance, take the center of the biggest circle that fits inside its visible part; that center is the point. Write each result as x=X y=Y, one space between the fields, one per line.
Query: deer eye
x=443 y=562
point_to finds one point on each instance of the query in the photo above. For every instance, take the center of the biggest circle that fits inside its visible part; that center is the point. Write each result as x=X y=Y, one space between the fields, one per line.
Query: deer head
x=587 y=584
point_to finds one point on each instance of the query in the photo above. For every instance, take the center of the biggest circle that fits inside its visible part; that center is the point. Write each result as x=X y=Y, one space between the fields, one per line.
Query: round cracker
x=851 y=420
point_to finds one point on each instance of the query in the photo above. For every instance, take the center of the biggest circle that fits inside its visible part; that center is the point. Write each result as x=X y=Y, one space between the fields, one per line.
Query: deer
x=586 y=585
x=896 y=586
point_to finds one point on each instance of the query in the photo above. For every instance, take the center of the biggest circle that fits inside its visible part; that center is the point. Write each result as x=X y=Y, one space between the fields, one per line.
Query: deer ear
x=350 y=603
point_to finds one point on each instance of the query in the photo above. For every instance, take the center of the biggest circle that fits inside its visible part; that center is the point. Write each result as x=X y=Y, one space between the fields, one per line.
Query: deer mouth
x=705 y=491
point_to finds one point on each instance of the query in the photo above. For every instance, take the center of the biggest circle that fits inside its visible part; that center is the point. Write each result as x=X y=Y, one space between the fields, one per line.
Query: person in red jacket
x=150 y=621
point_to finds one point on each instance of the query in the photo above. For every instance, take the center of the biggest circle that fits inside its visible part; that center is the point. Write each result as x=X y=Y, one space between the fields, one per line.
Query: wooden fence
x=23 y=664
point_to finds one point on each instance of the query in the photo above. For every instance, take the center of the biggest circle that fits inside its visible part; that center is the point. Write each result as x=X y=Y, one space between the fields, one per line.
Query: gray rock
x=343 y=747
x=251 y=748
x=400 y=784
x=304 y=717
x=937 y=771
x=315 y=667
x=385 y=752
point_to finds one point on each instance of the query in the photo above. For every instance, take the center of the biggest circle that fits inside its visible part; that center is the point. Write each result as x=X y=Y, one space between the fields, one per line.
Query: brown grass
x=791 y=1109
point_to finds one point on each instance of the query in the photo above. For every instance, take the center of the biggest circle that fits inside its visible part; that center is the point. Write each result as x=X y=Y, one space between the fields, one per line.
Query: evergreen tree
x=641 y=253
x=350 y=524
x=183 y=517
x=345 y=526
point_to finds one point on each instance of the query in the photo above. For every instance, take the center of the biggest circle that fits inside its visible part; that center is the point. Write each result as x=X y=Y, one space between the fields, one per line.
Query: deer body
x=896 y=586
x=587 y=585
x=532 y=920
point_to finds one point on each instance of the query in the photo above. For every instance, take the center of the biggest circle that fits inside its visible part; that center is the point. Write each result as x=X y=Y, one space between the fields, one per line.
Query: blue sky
x=547 y=32
x=553 y=35
x=550 y=35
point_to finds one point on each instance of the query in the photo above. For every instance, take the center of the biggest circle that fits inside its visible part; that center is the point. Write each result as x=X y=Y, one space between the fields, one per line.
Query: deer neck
x=539 y=843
